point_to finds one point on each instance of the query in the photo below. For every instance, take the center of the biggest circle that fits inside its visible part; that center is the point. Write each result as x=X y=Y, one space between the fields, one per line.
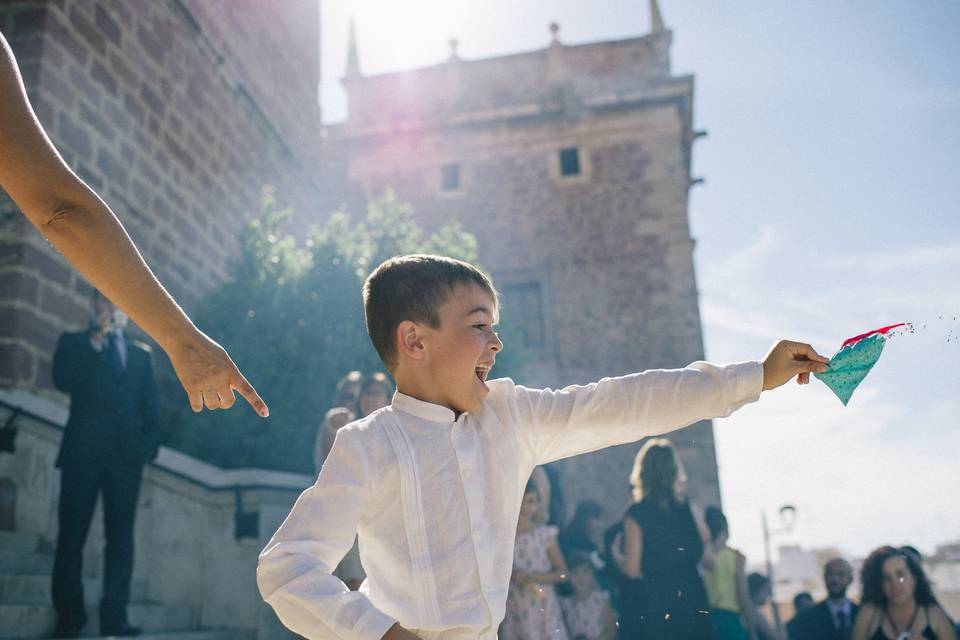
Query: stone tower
x=571 y=165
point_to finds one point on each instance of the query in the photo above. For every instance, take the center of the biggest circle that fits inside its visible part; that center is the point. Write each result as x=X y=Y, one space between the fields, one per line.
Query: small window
x=570 y=162
x=451 y=177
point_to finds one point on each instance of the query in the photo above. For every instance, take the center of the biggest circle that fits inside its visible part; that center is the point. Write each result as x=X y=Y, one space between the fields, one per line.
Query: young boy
x=432 y=484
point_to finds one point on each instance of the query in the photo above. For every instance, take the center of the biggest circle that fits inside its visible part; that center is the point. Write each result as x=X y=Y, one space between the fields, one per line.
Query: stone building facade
x=571 y=165
x=177 y=113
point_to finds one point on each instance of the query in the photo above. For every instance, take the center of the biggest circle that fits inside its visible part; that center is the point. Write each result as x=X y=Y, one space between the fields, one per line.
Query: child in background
x=587 y=612
x=373 y=393
x=726 y=583
x=533 y=611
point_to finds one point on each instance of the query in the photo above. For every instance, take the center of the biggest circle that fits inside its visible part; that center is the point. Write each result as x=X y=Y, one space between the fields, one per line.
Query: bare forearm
x=89 y=235
x=553 y=577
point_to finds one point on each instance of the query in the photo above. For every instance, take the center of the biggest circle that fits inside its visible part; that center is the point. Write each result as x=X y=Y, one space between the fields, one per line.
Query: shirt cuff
x=373 y=624
x=749 y=381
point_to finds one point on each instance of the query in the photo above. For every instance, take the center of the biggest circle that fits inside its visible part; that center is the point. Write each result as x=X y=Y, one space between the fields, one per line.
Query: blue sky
x=830 y=208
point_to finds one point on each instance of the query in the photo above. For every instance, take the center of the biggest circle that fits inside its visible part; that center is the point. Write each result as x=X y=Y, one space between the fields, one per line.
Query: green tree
x=292 y=316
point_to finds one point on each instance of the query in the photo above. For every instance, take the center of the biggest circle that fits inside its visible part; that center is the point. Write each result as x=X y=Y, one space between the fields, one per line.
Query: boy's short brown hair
x=413 y=287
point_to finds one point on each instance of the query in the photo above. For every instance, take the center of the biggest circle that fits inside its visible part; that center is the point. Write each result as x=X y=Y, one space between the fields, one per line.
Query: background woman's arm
x=867 y=622
x=558 y=564
x=941 y=623
x=630 y=564
x=706 y=559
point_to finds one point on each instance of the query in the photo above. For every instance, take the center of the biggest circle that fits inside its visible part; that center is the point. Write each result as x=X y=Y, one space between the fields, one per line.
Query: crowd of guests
x=665 y=571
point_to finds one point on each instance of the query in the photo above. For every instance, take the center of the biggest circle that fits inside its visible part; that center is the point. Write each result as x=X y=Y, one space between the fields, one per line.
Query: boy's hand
x=396 y=632
x=787 y=359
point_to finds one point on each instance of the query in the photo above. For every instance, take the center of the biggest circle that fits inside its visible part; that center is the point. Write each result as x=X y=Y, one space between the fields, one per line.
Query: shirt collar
x=421 y=409
x=835 y=608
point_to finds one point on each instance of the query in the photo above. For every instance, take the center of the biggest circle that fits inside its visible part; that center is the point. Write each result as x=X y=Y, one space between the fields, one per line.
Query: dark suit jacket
x=111 y=420
x=816 y=623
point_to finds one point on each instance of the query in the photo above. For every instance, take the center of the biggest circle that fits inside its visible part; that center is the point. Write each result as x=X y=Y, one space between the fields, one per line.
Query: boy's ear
x=410 y=340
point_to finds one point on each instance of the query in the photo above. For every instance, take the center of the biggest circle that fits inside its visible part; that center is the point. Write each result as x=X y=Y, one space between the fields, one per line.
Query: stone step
x=35 y=589
x=17 y=563
x=20 y=542
x=37 y=621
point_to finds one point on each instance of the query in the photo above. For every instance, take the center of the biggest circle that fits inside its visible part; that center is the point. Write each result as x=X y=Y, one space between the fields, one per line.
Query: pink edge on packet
x=883 y=330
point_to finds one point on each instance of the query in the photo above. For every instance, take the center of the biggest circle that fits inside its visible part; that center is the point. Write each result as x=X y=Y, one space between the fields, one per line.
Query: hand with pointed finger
x=787 y=359
x=210 y=377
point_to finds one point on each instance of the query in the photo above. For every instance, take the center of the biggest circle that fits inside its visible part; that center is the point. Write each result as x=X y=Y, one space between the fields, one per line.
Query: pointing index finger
x=249 y=394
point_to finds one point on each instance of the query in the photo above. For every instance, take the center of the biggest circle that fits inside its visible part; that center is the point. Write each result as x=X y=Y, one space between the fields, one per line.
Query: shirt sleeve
x=579 y=419
x=295 y=570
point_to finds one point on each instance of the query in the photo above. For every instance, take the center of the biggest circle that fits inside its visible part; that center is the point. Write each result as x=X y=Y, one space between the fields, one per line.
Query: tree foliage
x=291 y=316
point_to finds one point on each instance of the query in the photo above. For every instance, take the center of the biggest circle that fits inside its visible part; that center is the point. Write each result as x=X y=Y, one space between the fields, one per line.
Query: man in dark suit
x=801 y=602
x=833 y=618
x=112 y=431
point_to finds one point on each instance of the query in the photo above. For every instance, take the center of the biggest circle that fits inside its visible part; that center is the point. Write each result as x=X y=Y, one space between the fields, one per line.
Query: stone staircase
x=26 y=610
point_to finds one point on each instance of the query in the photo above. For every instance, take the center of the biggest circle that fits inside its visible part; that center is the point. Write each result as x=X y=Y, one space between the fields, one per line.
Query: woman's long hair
x=871 y=576
x=656 y=470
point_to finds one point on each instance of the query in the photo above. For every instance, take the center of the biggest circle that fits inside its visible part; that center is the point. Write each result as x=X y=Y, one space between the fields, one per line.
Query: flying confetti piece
x=857 y=355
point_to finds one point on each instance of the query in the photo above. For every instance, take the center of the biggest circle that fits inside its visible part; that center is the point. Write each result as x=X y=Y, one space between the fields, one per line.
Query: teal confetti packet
x=856 y=357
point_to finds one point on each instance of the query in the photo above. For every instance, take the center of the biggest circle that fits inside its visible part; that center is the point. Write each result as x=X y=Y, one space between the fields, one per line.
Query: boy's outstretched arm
x=579 y=419
x=787 y=359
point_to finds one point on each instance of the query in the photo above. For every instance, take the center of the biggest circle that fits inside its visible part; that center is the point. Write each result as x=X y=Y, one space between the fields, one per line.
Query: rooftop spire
x=353 y=59
x=656 y=20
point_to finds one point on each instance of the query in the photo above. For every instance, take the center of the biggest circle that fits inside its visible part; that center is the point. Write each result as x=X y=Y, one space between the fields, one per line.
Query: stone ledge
x=170 y=460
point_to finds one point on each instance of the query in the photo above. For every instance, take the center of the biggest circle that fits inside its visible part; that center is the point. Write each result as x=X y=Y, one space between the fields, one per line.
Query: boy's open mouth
x=482 y=371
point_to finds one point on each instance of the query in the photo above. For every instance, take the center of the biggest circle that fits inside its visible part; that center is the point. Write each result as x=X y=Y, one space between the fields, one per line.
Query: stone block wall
x=187 y=553
x=177 y=113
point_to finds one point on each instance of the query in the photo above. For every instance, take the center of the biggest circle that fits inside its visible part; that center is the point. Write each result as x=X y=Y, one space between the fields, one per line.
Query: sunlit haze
x=830 y=207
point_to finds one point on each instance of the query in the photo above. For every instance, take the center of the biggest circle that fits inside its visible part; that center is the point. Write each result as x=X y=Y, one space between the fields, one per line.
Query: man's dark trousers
x=111 y=432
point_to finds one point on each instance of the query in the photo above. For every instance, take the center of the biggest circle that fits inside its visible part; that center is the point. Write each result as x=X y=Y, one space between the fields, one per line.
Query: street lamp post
x=788 y=515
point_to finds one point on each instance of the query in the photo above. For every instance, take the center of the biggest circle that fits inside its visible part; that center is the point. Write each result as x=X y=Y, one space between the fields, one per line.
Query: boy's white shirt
x=435 y=501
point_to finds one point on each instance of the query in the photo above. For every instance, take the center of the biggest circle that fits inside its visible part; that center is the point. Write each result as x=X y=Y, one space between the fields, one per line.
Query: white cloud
x=941 y=256
x=742 y=263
